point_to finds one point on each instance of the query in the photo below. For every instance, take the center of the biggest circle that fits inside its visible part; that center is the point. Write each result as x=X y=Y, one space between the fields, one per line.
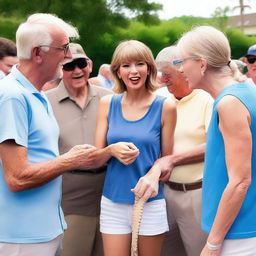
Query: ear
x=204 y=65
x=118 y=74
x=90 y=65
x=36 y=54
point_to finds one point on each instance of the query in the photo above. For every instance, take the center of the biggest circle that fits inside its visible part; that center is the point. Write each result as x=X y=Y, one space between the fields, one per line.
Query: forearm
x=194 y=155
x=229 y=206
x=38 y=174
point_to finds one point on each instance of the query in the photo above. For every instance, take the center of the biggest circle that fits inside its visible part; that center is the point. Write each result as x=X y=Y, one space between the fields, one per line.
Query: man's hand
x=125 y=152
x=80 y=155
x=165 y=165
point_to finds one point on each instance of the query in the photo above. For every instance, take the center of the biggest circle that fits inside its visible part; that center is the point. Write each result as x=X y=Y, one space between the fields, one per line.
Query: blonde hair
x=210 y=44
x=129 y=51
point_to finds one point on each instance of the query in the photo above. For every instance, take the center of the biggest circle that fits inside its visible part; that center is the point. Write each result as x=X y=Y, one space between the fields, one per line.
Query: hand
x=125 y=152
x=147 y=185
x=81 y=157
x=207 y=252
x=165 y=164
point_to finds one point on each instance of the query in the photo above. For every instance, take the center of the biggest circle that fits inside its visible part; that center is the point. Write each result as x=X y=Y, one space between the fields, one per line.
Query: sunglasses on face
x=80 y=63
x=251 y=60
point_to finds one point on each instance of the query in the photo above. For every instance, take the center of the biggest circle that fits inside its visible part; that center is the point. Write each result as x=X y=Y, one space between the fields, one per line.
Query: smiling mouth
x=135 y=78
x=77 y=77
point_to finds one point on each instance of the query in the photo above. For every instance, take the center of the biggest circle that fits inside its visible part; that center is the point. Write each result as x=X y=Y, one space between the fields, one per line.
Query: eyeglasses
x=251 y=60
x=80 y=63
x=63 y=48
x=180 y=61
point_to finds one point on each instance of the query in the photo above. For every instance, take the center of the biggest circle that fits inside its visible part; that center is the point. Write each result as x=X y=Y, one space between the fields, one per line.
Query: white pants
x=239 y=247
x=36 y=249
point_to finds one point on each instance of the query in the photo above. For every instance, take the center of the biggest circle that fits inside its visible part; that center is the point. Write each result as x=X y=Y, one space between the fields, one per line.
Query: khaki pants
x=82 y=237
x=38 y=249
x=184 y=213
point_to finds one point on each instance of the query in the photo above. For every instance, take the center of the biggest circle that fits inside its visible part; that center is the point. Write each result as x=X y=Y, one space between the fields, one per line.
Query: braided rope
x=136 y=220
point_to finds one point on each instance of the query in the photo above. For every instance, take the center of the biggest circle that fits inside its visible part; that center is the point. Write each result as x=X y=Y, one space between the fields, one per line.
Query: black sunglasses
x=81 y=63
x=251 y=60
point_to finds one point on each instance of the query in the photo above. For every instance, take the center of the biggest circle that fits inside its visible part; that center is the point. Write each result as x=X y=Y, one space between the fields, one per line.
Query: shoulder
x=169 y=105
x=52 y=93
x=105 y=100
x=230 y=106
x=100 y=91
x=203 y=96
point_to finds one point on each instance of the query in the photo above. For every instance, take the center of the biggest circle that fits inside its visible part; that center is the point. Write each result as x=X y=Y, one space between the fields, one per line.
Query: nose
x=133 y=69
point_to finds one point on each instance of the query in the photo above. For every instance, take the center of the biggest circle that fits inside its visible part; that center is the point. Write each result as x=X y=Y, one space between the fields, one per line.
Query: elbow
x=243 y=186
x=14 y=184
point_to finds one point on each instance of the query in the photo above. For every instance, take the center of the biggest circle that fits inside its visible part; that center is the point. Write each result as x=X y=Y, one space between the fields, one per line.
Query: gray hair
x=166 y=55
x=212 y=45
x=36 y=30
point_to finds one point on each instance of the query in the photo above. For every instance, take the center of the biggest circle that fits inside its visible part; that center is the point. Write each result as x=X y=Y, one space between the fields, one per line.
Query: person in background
x=229 y=182
x=32 y=221
x=183 y=190
x=250 y=59
x=134 y=127
x=104 y=77
x=8 y=56
x=75 y=105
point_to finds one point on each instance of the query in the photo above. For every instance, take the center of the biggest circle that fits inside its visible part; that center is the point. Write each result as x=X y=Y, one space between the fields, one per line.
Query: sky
x=203 y=8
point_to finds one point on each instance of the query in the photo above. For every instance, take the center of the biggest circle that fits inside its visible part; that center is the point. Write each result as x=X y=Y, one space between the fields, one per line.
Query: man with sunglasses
x=75 y=104
x=251 y=63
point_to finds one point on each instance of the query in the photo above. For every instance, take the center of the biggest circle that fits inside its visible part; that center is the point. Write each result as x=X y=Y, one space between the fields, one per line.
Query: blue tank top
x=145 y=134
x=215 y=171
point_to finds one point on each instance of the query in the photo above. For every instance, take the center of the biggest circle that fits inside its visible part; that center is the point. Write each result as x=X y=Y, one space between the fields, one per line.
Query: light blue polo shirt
x=33 y=215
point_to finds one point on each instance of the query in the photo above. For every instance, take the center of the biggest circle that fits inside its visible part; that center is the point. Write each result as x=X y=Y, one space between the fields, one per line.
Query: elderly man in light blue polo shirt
x=31 y=219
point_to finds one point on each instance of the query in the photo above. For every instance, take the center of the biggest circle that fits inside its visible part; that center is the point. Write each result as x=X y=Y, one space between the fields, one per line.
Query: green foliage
x=103 y=24
x=239 y=42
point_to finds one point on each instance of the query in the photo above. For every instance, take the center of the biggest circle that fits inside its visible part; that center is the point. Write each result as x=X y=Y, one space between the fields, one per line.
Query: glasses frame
x=75 y=64
x=179 y=62
x=64 y=48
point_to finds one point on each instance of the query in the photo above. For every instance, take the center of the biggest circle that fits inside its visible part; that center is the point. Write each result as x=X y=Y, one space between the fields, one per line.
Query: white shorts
x=239 y=247
x=116 y=218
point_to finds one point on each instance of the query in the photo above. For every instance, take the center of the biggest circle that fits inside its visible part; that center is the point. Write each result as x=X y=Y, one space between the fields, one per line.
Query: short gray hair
x=36 y=31
x=166 y=55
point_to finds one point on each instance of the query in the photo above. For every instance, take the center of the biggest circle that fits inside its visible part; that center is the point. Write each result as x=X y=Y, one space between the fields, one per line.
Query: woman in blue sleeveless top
x=229 y=182
x=134 y=128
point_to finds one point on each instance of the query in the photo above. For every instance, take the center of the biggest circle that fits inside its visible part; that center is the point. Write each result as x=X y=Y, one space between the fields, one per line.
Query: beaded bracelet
x=213 y=247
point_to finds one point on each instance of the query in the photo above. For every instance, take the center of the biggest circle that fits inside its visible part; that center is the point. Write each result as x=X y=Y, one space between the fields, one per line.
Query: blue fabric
x=145 y=134
x=33 y=215
x=215 y=172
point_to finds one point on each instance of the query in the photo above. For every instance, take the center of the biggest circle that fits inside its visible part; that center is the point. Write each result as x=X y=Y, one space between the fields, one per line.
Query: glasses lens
x=251 y=60
x=81 y=63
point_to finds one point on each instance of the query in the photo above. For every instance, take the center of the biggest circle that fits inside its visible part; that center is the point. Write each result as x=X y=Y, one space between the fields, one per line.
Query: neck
x=77 y=93
x=32 y=74
x=137 y=96
x=214 y=84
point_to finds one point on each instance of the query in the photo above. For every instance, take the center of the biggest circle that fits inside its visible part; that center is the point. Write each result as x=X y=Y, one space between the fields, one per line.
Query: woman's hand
x=125 y=152
x=147 y=185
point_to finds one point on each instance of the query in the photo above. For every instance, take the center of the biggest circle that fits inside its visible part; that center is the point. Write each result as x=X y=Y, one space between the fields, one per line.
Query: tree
x=96 y=20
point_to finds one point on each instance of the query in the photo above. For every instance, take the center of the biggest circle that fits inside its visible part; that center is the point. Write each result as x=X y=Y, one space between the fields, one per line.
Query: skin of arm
x=147 y=185
x=167 y=163
x=234 y=124
x=125 y=152
x=21 y=175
